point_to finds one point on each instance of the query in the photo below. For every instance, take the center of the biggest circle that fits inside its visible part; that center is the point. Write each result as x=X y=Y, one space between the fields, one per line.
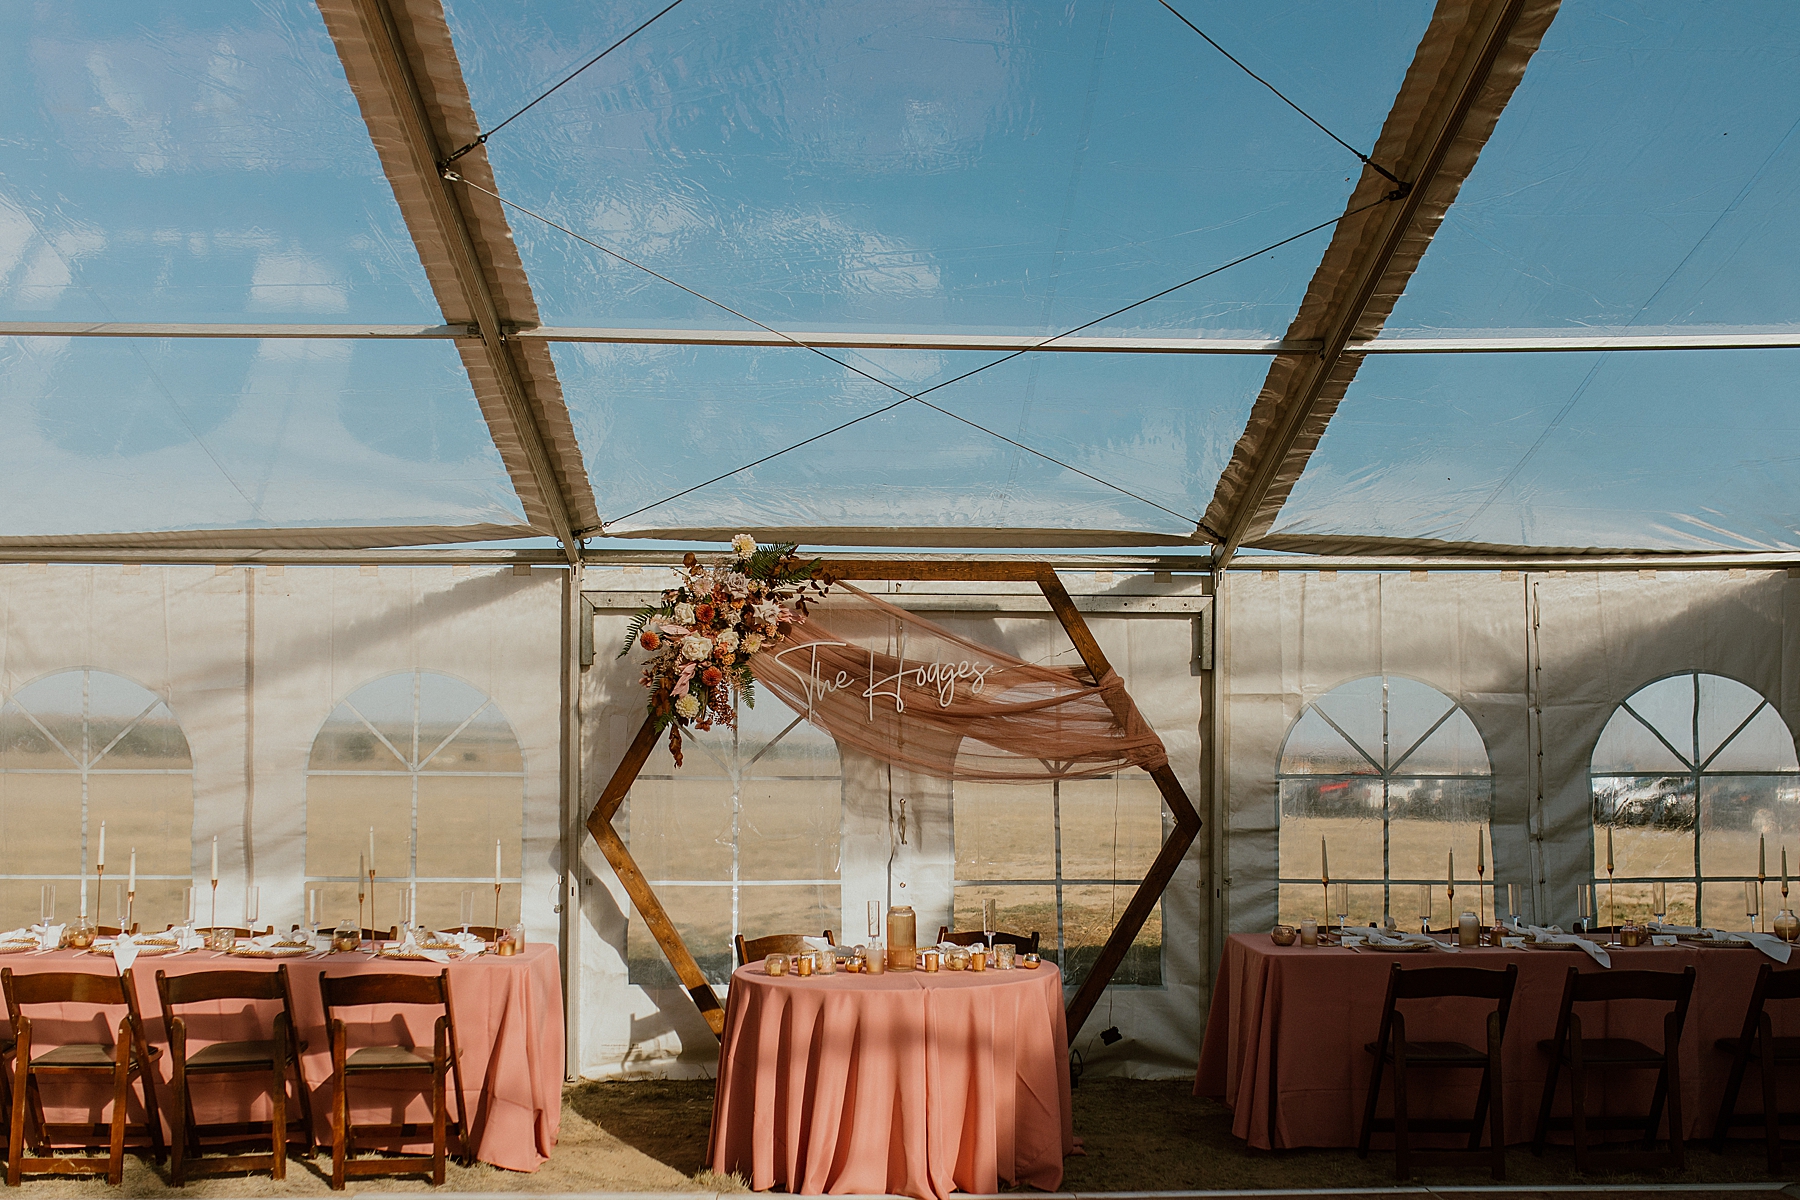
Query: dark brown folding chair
x=444 y=1067
x=1024 y=943
x=1392 y=1047
x=1569 y=1048
x=112 y=930
x=775 y=943
x=125 y=1058
x=1758 y=1042
x=203 y=930
x=274 y=1056
x=487 y=933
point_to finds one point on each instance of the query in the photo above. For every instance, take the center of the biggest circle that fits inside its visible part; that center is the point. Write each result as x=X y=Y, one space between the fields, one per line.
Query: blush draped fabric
x=909 y=1084
x=911 y=693
x=1284 y=1041
x=509 y=1026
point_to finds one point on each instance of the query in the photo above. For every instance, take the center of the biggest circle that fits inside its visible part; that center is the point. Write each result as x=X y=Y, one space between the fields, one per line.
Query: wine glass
x=1341 y=893
x=1424 y=908
x=1751 y=906
x=1659 y=902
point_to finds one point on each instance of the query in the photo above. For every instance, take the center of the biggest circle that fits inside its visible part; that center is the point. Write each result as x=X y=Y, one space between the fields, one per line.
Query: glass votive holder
x=1030 y=962
x=876 y=962
x=804 y=964
x=957 y=959
x=1468 y=930
x=220 y=939
x=775 y=964
x=931 y=961
x=977 y=959
x=827 y=962
x=1309 y=932
x=1003 y=956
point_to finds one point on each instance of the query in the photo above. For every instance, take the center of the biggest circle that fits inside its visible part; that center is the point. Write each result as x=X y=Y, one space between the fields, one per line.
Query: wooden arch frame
x=1174 y=847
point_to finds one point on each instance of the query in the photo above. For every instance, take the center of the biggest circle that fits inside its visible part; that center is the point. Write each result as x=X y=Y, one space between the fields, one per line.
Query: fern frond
x=636 y=628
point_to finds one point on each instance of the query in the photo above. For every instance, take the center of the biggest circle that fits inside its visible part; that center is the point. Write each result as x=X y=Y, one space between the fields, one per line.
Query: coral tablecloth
x=509 y=1026
x=1284 y=1042
x=906 y=1083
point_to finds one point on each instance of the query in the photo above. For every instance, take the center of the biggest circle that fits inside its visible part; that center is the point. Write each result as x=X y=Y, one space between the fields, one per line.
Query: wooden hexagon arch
x=1174 y=847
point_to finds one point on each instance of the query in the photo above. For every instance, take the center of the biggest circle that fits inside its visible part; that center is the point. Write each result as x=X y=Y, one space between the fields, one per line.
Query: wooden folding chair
x=127 y=1057
x=1024 y=943
x=1578 y=1053
x=443 y=1067
x=487 y=933
x=203 y=930
x=775 y=943
x=1391 y=1046
x=275 y=1056
x=1758 y=1042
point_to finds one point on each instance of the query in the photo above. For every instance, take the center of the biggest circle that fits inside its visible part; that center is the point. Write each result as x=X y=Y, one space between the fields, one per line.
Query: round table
x=905 y=1083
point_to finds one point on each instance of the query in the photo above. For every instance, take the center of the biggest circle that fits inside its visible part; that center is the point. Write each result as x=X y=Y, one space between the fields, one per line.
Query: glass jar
x=1787 y=925
x=346 y=937
x=903 y=937
x=931 y=962
x=1468 y=930
x=876 y=963
x=1003 y=956
x=826 y=962
x=957 y=958
x=775 y=964
x=804 y=964
x=81 y=933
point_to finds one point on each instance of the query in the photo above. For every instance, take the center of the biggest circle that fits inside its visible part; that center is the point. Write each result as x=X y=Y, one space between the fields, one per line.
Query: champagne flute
x=1512 y=902
x=874 y=919
x=252 y=907
x=1659 y=902
x=466 y=909
x=987 y=922
x=1424 y=908
x=1751 y=906
x=1341 y=893
x=46 y=904
x=1584 y=908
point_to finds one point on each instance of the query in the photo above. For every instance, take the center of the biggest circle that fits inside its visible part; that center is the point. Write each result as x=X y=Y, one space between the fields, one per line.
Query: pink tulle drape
x=905 y=691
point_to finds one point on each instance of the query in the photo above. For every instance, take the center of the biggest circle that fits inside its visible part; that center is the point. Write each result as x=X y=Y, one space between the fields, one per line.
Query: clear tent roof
x=901 y=178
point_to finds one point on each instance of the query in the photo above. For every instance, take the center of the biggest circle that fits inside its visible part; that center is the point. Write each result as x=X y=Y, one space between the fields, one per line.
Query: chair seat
x=1787 y=1049
x=1443 y=1053
x=1610 y=1051
x=232 y=1056
x=386 y=1058
x=92 y=1055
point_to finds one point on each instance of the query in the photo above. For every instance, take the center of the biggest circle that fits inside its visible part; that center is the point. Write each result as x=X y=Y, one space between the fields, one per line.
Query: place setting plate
x=270 y=951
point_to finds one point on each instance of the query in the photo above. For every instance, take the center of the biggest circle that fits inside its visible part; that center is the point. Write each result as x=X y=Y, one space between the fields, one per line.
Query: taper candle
x=100 y=858
x=1609 y=854
x=1450 y=876
x=1480 y=852
x=1762 y=856
x=131 y=884
x=1324 y=863
x=215 y=874
x=1784 y=870
x=496 y=862
x=371 y=848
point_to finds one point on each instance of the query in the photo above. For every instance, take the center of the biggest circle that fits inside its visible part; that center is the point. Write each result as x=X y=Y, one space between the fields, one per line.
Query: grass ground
x=1136 y=1135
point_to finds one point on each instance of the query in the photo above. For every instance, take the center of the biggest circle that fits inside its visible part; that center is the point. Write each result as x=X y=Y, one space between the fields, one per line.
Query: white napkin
x=27 y=934
x=187 y=938
x=817 y=943
x=124 y=952
x=267 y=941
x=1555 y=935
x=48 y=936
x=410 y=945
x=1768 y=943
x=1375 y=937
x=468 y=943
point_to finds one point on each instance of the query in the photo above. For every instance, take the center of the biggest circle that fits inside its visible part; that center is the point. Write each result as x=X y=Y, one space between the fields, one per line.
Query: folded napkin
x=188 y=938
x=1375 y=937
x=410 y=945
x=28 y=934
x=267 y=941
x=468 y=943
x=124 y=952
x=49 y=937
x=1552 y=934
x=817 y=943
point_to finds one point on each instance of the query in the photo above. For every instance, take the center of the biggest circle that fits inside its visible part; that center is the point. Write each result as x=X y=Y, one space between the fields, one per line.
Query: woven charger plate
x=269 y=951
x=149 y=951
x=1551 y=946
x=410 y=956
x=16 y=947
x=1404 y=948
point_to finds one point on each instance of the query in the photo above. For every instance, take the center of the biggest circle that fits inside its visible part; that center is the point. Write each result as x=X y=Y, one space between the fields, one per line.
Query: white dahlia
x=688 y=706
x=751 y=643
x=743 y=545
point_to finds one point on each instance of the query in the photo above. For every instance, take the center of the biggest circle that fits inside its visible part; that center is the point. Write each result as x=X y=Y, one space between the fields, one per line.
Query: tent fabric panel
x=1405 y=139
x=426 y=42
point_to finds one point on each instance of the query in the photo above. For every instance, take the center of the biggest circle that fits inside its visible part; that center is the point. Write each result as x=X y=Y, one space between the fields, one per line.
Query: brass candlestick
x=99 y=891
x=1481 y=894
x=1611 y=909
x=130 y=904
x=371 y=924
x=1325 y=885
x=1450 y=894
x=214 y=922
x=360 y=897
x=1762 y=884
x=496 y=912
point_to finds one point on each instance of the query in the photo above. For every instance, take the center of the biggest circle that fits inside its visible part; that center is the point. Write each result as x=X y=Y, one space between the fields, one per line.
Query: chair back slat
x=1672 y=987
x=1782 y=985
x=62 y=987
x=200 y=987
x=751 y=949
x=1424 y=983
x=391 y=987
x=1026 y=943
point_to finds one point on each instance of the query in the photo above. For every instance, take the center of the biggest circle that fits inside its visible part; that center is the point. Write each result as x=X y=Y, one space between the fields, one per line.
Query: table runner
x=1284 y=1040
x=509 y=1025
x=906 y=1083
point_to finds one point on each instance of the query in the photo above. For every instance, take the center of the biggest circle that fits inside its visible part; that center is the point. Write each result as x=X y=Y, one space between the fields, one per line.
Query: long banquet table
x=905 y=1083
x=1285 y=1039
x=509 y=1027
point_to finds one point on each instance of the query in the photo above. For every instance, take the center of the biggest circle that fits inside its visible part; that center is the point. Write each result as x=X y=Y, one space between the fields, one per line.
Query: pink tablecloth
x=509 y=1025
x=904 y=1083
x=1284 y=1042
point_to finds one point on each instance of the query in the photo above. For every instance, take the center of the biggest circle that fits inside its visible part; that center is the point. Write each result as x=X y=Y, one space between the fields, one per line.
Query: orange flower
x=711 y=676
x=650 y=641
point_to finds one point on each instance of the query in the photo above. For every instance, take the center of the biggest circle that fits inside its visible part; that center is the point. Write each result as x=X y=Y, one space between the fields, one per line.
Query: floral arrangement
x=708 y=628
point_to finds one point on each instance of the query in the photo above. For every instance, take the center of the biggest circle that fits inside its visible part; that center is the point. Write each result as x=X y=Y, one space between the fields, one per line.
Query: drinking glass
x=1512 y=901
x=987 y=922
x=46 y=904
x=1424 y=908
x=1659 y=902
x=312 y=911
x=119 y=906
x=1584 y=906
x=1341 y=893
x=874 y=919
x=1751 y=905
x=466 y=908
x=252 y=906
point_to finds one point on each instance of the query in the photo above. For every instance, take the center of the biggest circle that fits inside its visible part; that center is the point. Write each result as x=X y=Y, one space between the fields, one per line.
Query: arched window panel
x=742 y=838
x=432 y=765
x=82 y=747
x=1692 y=776
x=1392 y=775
